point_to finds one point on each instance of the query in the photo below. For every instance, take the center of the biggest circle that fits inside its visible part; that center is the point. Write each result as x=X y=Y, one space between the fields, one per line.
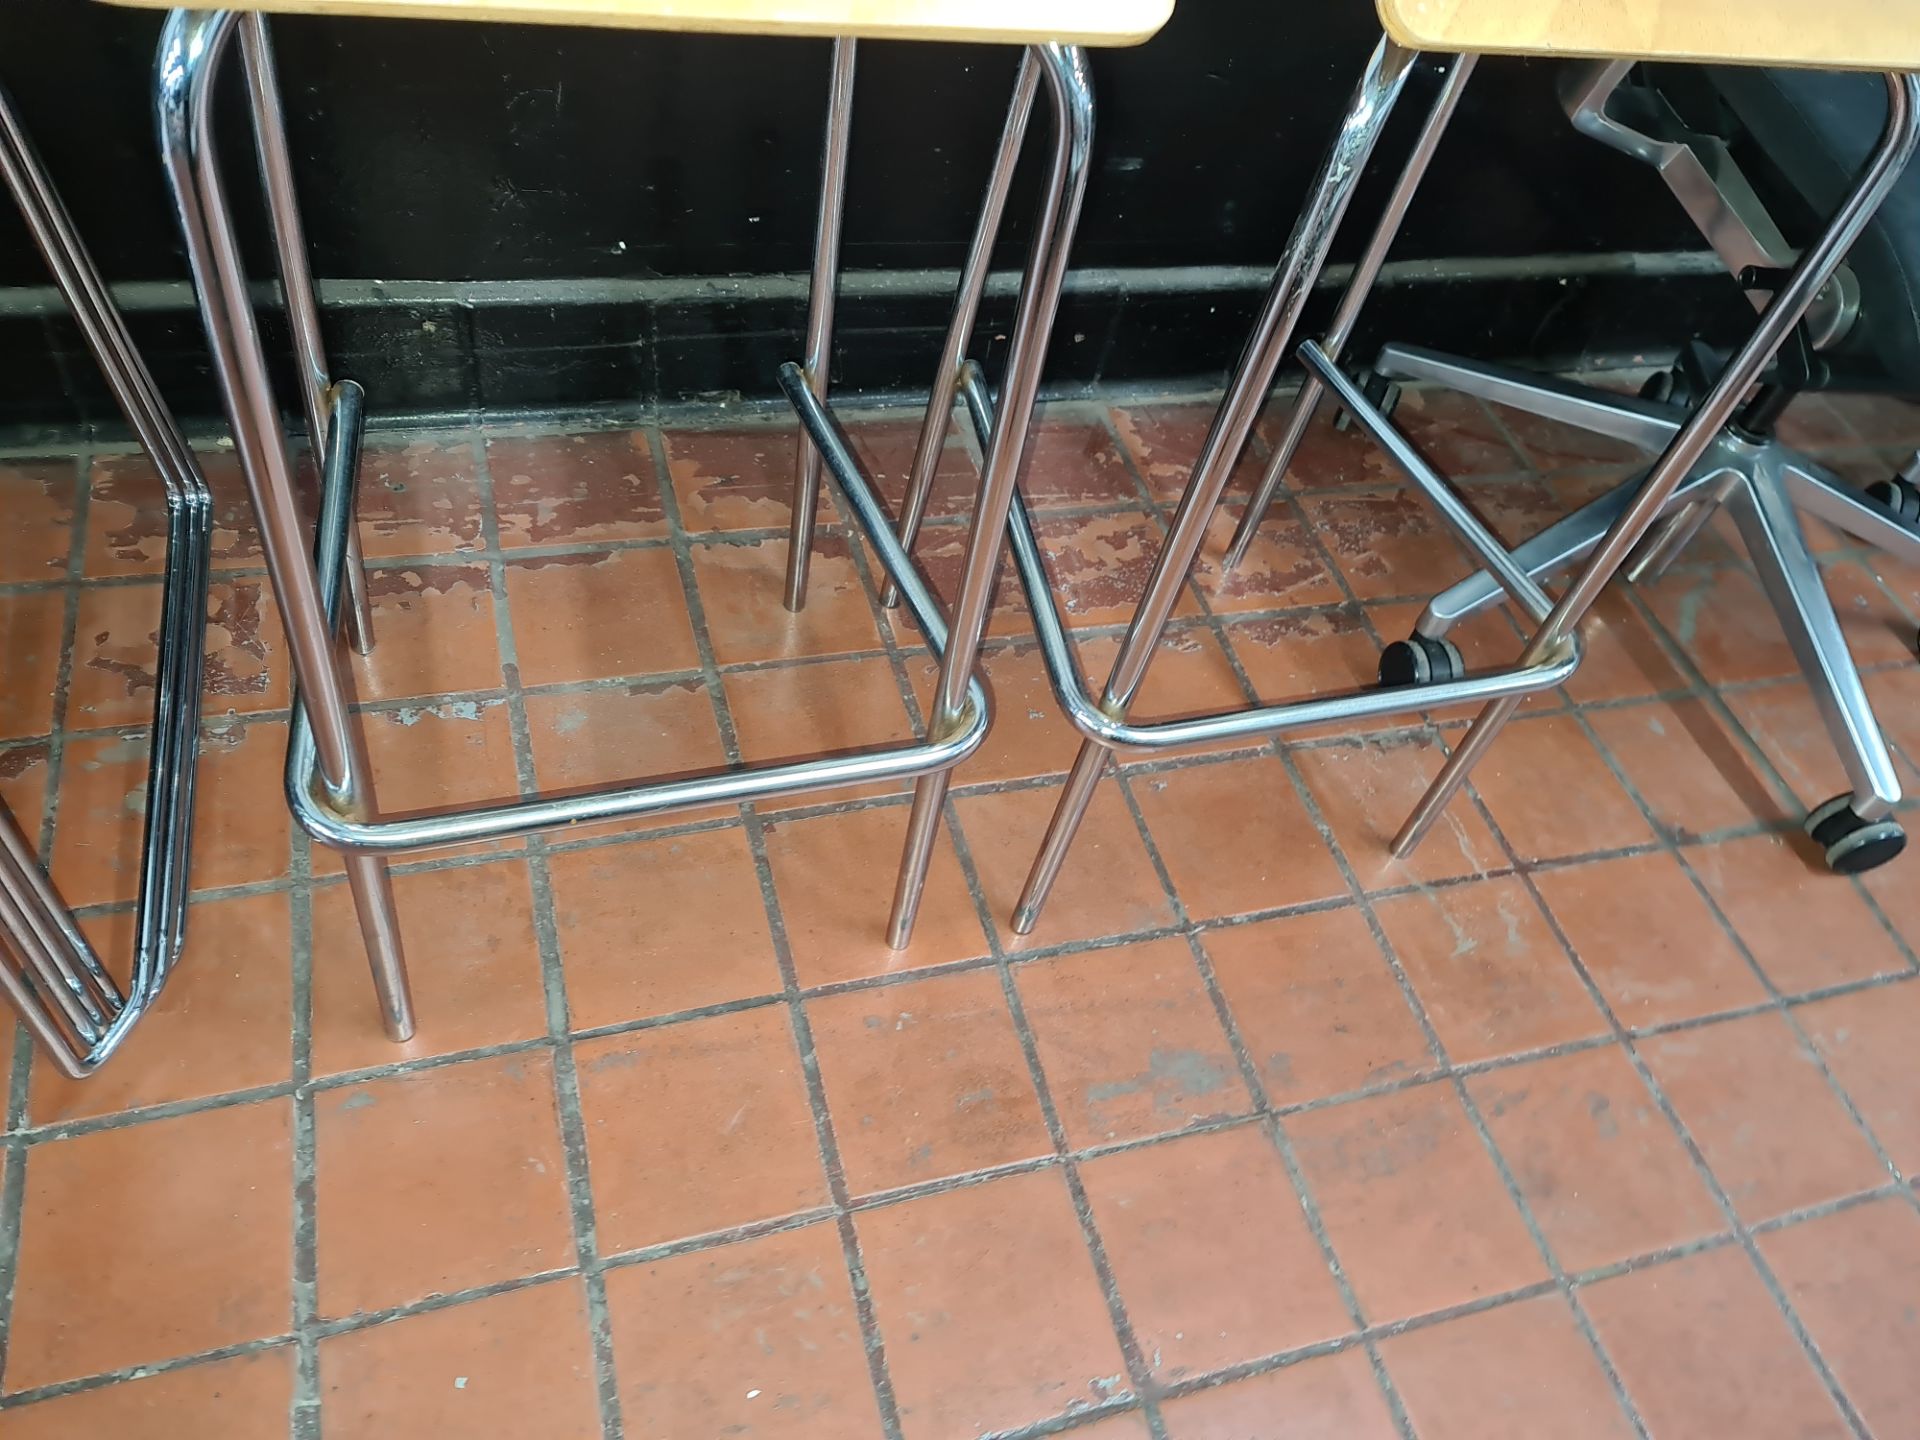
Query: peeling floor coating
x=1262 y=1134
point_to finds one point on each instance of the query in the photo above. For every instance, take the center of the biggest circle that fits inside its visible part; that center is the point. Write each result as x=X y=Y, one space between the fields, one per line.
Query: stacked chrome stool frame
x=328 y=784
x=1553 y=652
x=73 y=1006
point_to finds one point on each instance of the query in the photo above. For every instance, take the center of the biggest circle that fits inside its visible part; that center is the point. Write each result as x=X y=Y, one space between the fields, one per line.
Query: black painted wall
x=434 y=151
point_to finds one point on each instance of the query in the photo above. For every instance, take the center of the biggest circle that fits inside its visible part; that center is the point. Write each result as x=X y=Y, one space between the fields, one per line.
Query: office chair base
x=1854 y=846
x=1898 y=495
x=1420 y=660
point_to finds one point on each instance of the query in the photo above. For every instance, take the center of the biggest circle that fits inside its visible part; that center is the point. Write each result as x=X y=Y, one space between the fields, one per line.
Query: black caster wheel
x=1853 y=845
x=1902 y=497
x=1670 y=387
x=1384 y=394
x=1419 y=660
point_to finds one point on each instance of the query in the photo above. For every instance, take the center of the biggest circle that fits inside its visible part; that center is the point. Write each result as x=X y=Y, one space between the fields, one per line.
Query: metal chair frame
x=328 y=782
x=1553 y=651
x=70 y=1002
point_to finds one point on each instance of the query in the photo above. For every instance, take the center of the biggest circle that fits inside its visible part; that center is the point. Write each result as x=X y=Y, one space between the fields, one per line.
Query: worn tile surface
x=1594 y=1116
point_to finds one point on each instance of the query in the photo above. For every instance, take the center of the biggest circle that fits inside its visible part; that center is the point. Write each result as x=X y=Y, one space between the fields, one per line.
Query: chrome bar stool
x=73 y=1006
x=328 y=784
x=1779 y=33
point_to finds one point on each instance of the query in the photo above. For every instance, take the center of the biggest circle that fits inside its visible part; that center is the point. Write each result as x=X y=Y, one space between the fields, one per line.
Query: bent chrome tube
x=1103 y=728
x=64 y=994
x=334 y=822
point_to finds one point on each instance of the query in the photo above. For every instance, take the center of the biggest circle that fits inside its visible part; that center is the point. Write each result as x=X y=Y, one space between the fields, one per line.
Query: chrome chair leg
x=1366 y=271
x=818 y=361
x=296 y=284
x=1814 y=269
x=1070 y=88
x=1293 y=281
x=192 y=46
x=966 y=309
x=71 y=1004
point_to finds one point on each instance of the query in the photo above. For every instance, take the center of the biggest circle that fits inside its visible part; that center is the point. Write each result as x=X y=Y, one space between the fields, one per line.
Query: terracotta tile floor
x=1594 y=1119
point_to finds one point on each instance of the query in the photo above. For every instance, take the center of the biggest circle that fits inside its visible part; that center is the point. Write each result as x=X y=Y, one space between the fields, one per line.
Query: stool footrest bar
x=1256 y=722
x=336 y=825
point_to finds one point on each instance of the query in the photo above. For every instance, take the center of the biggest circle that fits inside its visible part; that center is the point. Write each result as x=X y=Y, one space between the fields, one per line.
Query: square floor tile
x=1625 y=657
x=926 y=1080
x=697 y=1127
x=1282 y=569
x=127 y=514
x=743 y=589
x=434 y=633
x=1365 y=789
x=1460 y=435
x=1654 y=948
x=655 y=926
x=1866 y=1038
x=564 y=609
x=574 y=489
x=1602 y=1171
x=1099 y=565
x=1190 y=675
x=153 y=1241
x=1703 y=1350
x=886 y=448
x=509 y=1365
x=941 y=554
x=1491 y=974
x=800 y=712
x=838 y=931
x=1722 y=620
x=1786 y=726
x=1072 y=460
x=1412 y=1203
x=1267 y=854
x=437 y=1181
x=237 y=841
x=419 y=498
x=1316 y=1005
x=1329 y=454
x=38 y=497
x=1852 y=1277
x=1130 y=1042
x=1510 y=1373
x=1806 y=927
x=239 y=1399
x=1107 y=887
x=1211 y=1252
x=736 y=479
x=1029 y=736
x=1754 y=1100
x=33 y=627
x=472 y=957
x=1386 y=542
x=223 y=1023
x=754 y=1338
x=431 y=756
x=947 y=1271
x=1552 y=795
x=1694 y=775
x=1308 y=652
x=1332 y=1395
x=650 y=730
x=1164 y=440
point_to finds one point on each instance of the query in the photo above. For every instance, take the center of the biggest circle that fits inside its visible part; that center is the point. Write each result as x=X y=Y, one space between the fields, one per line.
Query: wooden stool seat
x=1803 y=34
x=1011 y=22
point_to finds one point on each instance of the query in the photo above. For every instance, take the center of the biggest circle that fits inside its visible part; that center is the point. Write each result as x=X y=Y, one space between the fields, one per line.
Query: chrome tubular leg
x=1792 y=580
x=826 y=277
x=192 y=44
x=1814 y=269
x=1678 y=529
x=1365 y=272
x=966 y=308
x=1269 y=344
x=296 y=284
x=1070 y=88
x=57 y=966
